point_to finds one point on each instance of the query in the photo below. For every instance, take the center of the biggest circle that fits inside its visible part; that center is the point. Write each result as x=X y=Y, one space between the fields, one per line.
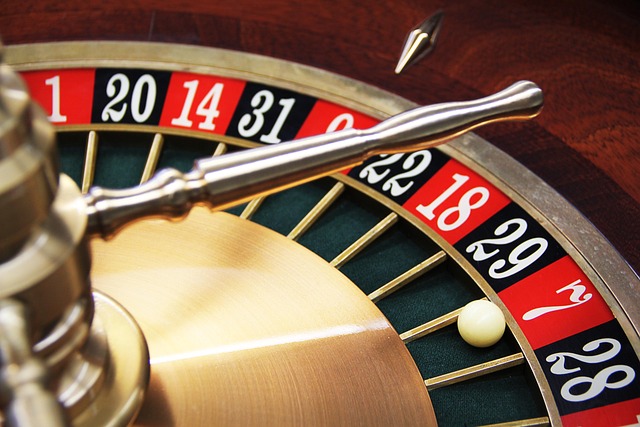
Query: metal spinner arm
x=225 y=181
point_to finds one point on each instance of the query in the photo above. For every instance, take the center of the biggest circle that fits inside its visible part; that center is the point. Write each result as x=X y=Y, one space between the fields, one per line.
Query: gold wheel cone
x=246 y=327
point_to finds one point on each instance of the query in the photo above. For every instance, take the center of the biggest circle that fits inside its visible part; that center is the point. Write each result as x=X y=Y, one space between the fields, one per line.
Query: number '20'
x=117 y=91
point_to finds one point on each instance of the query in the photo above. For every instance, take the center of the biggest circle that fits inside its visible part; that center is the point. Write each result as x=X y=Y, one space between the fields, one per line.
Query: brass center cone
x=246 y=327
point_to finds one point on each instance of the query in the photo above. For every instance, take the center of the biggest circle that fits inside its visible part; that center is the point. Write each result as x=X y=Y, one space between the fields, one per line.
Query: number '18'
x=462 y=209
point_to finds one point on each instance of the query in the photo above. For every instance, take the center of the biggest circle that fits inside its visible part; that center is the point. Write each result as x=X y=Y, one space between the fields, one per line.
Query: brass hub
x=246 y=327
x=121 y=393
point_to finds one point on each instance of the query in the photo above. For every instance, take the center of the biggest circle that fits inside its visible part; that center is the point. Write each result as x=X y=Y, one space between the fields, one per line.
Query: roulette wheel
x=570 y=355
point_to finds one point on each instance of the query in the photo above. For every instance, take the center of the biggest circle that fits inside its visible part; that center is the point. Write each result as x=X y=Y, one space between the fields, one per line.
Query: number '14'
x=208 y=107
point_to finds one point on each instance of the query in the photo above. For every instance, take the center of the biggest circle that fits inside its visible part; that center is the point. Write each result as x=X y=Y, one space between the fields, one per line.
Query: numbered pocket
x=508 y=247
x=129 y=96
x=587 y=369
x=399 y=176
x=269 y=115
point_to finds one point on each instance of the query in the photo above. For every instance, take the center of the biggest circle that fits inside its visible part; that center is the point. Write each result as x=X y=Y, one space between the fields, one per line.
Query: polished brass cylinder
x=28 y=164
x=56 y=360
x=51 y=271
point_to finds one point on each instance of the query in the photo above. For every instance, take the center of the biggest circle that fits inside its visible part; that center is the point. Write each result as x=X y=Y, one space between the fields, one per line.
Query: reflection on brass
x=474 y=371
x=312 y=216
x=420 y=41
x=246 y=327
x=123 y=389
x=221 y=148
x=408 y=276
x=28 y=164
x=432 y=326
x=26 y=398
x=531 y=422
x=429 y=327
x=252 y=207
x=365 y=240
x=152 y=159
x=90 y=161
x=85 y=370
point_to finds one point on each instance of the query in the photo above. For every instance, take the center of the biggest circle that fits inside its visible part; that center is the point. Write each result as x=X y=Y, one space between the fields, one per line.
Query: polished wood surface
x=584 y=54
